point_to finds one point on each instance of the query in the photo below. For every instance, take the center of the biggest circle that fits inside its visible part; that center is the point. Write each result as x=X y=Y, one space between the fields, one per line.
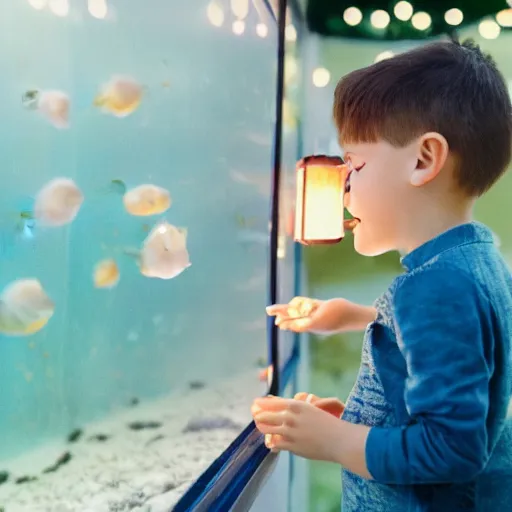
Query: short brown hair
x=447 y=87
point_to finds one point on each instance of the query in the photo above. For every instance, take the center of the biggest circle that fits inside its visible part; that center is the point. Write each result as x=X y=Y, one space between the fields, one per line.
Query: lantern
x=319 y=203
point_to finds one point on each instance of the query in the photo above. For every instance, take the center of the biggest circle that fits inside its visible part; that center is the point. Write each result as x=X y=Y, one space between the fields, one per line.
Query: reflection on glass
x=238 y=27
x=240 y=8
x=290 y=33
x=215 y=14
x=97 y=8
x=290 y=70
x=262 y=29
x=59 y=7
x=37 y=4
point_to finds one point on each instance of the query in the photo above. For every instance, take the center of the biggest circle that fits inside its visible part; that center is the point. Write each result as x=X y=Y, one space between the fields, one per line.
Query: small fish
x=25 y=308
x=54 y=106
x=106 y=274
x=164 y=252
x=121 y=96
x=27 y=214
x=118 y=186
x=147 y=200
x=240 y=220
x=166 y=84
x=58 y=202
x=244 y=222
x=29 y=99
x=12 y=231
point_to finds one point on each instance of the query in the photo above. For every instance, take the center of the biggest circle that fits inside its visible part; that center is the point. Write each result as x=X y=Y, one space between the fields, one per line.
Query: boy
x=425 y=427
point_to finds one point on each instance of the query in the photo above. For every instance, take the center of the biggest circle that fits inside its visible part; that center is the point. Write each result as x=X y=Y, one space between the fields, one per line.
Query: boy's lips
x=350 y=224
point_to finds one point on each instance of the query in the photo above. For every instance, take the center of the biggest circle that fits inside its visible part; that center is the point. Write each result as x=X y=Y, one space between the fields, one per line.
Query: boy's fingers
x=277 y=309
x=331 y=405
x=274 y=403
x=307 y=397
x=300 y=325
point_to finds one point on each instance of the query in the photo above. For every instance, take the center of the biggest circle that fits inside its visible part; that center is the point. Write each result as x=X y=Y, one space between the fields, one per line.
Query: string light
x=421 y=21
x=489 y=29
x=380 y=19
x=403 y=11
x=352 y=16
x=321 y=77
x=504 y=18
x=453 y=17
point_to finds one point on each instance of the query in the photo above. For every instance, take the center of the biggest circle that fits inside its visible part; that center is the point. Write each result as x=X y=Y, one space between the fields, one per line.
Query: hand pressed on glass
x=294 y=424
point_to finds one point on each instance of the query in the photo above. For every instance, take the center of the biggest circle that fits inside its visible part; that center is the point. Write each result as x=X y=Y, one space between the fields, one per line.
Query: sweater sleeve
x=443 y=329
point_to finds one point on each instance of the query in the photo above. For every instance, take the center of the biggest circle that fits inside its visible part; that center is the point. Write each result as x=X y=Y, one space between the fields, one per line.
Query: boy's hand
x=299 y=427
x=298 y=315
x=331 y=405
x=302 y=314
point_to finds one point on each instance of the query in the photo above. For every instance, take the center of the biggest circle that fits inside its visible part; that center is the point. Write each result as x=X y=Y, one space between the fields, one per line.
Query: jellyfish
x=25 y=308
x=106 y=274
x=147 y=200
x=120 y=96
x=58 y=202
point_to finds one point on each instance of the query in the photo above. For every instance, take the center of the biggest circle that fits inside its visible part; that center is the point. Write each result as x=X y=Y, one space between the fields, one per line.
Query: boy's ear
x=432 y=154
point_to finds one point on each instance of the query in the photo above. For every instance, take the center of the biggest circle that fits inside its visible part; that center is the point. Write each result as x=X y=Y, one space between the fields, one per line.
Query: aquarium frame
x=233 y=481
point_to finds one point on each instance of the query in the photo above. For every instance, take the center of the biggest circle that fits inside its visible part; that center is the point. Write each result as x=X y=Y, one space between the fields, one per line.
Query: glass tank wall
x=135 y=157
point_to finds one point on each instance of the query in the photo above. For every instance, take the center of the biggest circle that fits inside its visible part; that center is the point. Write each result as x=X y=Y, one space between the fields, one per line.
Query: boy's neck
x=434 y=221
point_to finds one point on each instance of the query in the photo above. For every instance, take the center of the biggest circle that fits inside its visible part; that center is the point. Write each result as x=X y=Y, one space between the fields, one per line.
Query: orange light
x=319 y=204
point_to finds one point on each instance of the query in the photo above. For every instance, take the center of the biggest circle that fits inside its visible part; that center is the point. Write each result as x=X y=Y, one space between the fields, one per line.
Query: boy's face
x=380 y=193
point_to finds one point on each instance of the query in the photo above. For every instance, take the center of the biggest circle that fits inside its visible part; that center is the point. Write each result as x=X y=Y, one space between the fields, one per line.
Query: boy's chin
x=365 y=246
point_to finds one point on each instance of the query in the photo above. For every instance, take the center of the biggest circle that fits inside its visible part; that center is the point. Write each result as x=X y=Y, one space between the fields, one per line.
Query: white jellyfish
x=120 y=96
x=106 y=274
x=54 y=106
x=25 y=308
x=58 y=202
x=146 y=200
x=164 y=253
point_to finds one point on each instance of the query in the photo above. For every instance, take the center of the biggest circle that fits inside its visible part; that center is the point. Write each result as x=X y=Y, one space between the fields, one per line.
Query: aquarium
x=136 y=157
